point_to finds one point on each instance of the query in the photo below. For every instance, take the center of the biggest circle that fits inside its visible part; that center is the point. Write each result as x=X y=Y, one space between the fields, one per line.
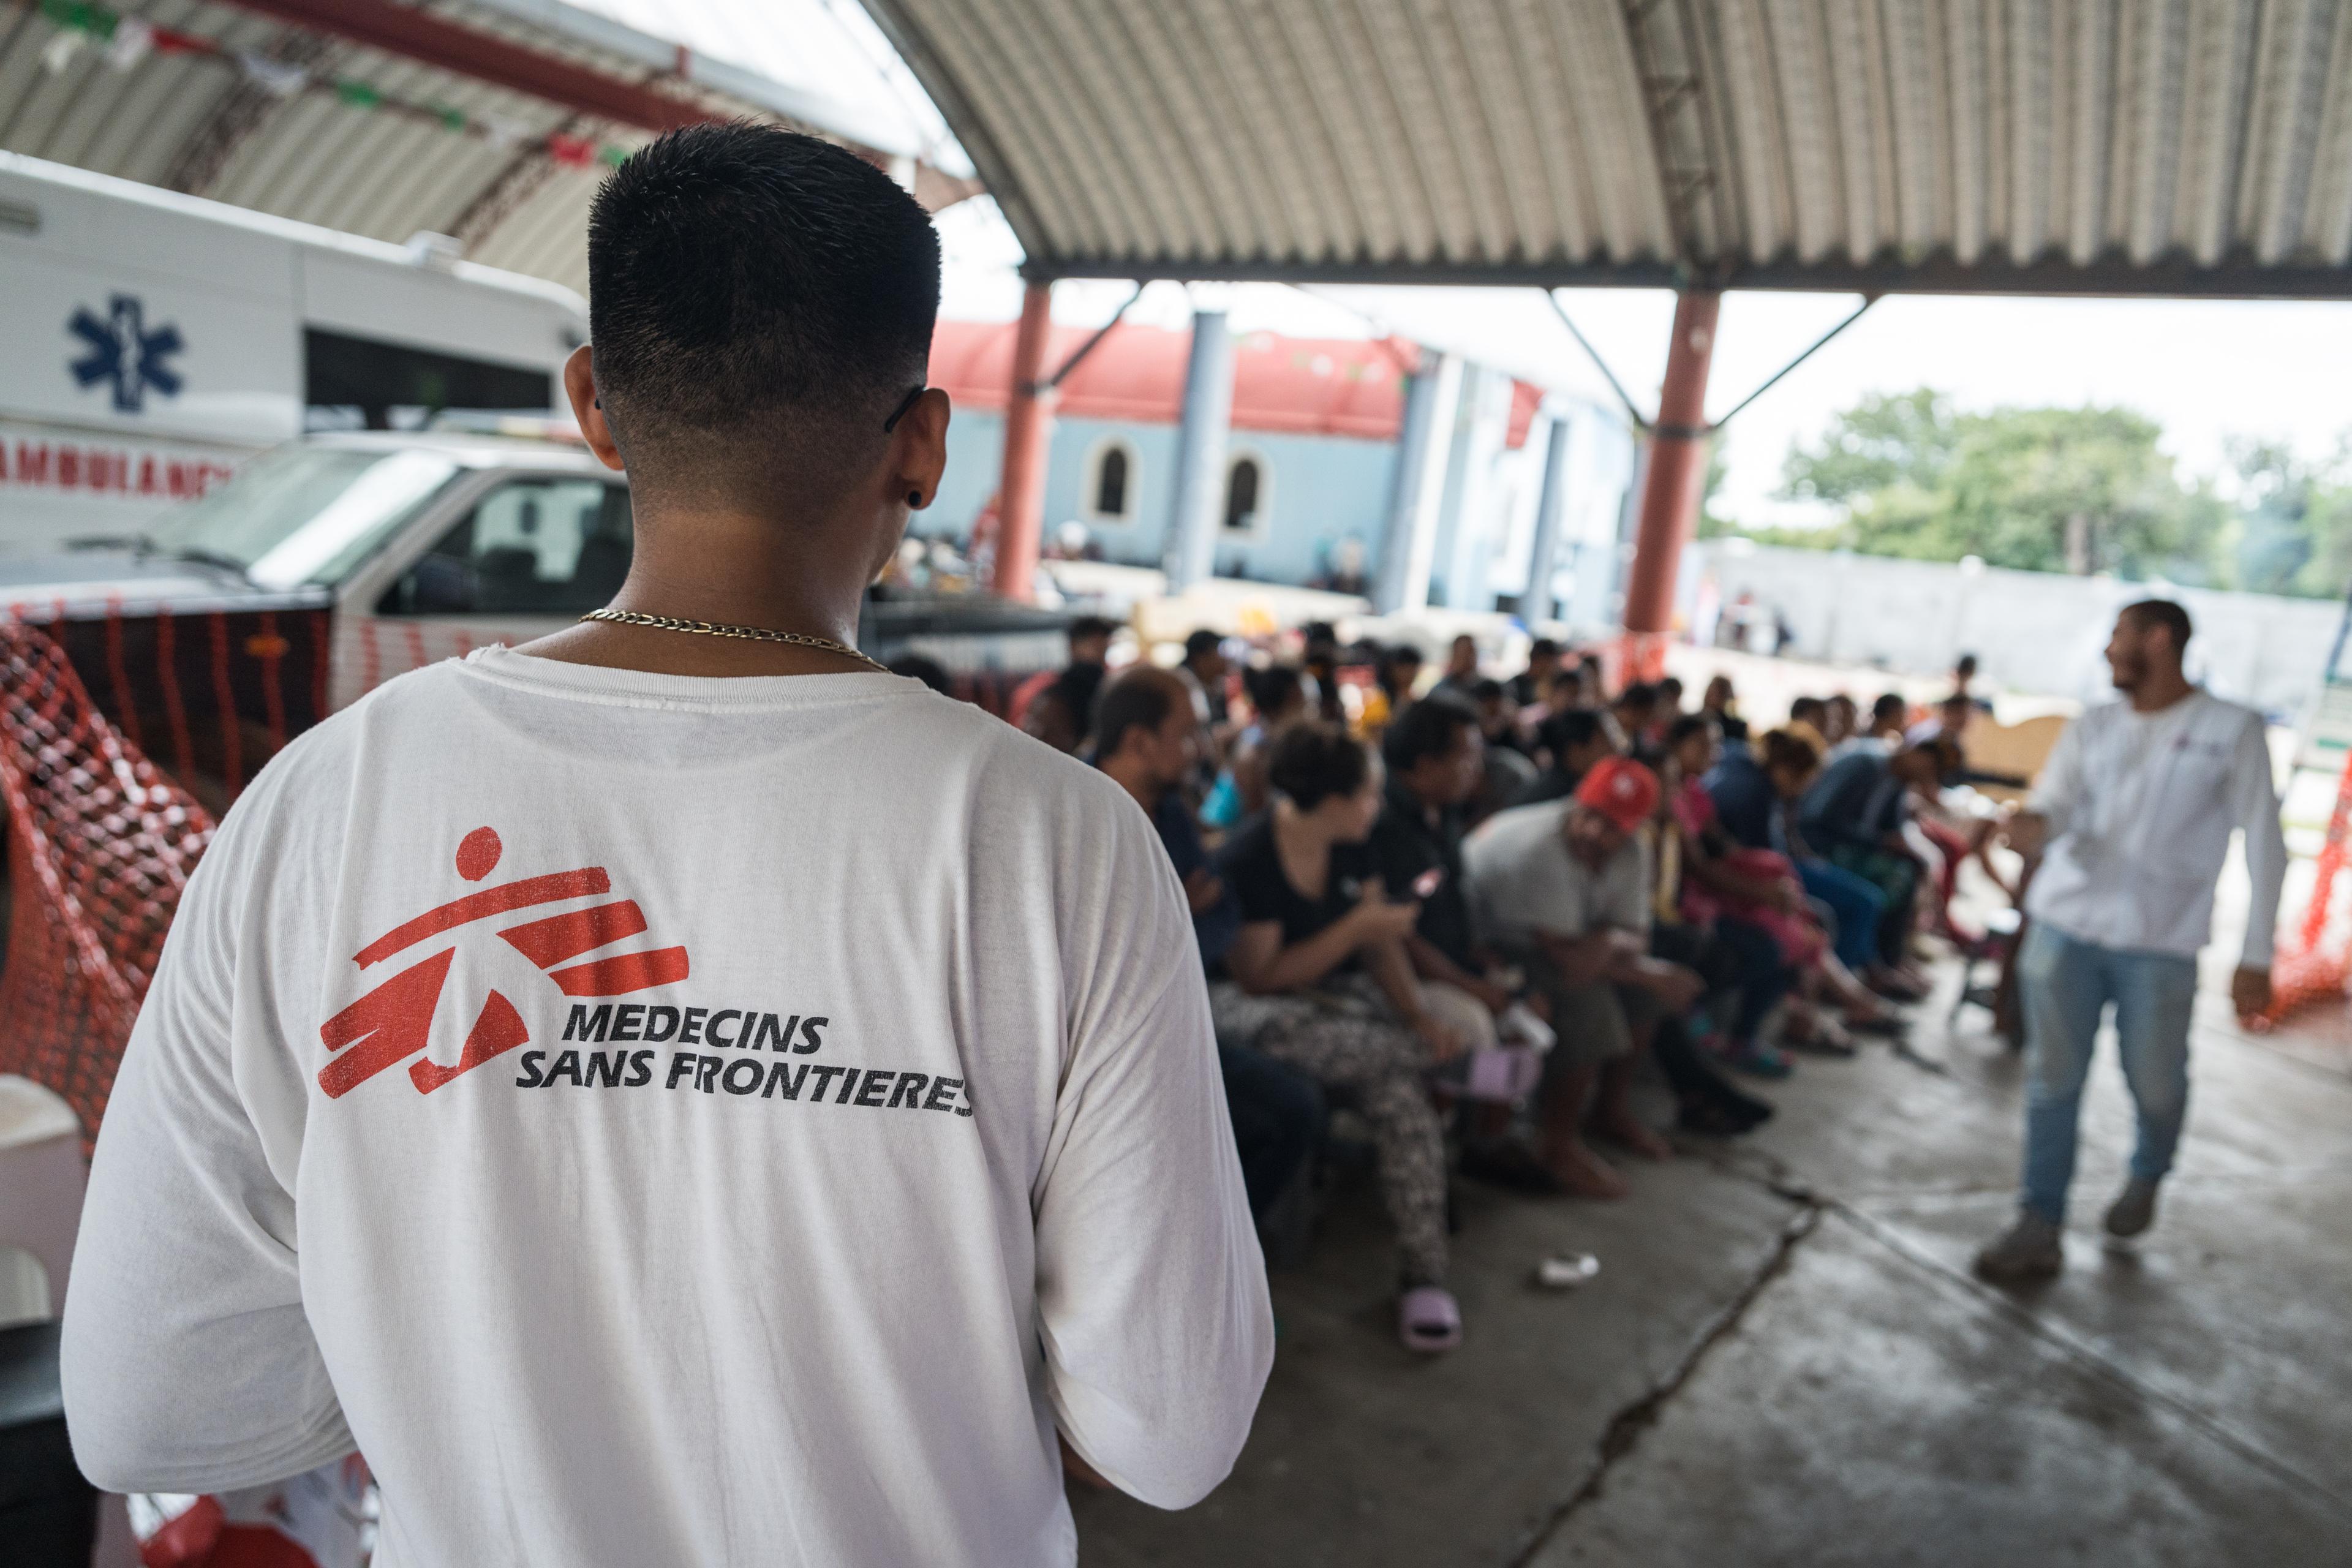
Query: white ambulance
x=150 y=343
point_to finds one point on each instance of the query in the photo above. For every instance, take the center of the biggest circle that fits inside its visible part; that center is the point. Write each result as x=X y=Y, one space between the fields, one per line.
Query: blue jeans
x=1764 y=977
x=1277 y=1115
x=2065 y=986
x=1855 y=904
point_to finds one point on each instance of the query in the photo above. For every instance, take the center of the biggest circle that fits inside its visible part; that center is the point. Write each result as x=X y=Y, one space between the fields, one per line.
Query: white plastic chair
x=42 y=1175
x=41 y=1179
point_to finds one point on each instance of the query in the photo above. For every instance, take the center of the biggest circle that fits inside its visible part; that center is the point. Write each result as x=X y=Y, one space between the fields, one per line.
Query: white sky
x=2205 y=371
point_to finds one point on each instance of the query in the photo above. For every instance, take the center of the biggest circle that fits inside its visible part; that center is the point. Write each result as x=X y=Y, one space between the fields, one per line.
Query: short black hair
x=1314 y=762
x=2166 y=614
x=1786 y=749
x=1732 y=727
x=1427 y=728
x=1093 y=626
x=1805 y=705
x=755 y=297
x=1270 y=687
x=1683 y=728
x=1401 y=653
x=1890 y=705
x=1542 y=648
x=1570 y=729
x=1640 y=694
x=1944 y=749
x=1204 y=641
x=1486 y=688
x=1142 y=699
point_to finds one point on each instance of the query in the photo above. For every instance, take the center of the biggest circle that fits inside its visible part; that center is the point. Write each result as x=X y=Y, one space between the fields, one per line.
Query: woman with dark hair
x=1318 y=978
x=1280 y=695
x=1739 y=913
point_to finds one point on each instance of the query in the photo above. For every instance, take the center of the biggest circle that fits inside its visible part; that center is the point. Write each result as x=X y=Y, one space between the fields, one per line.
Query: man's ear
x=580 y=385
x=919 y=449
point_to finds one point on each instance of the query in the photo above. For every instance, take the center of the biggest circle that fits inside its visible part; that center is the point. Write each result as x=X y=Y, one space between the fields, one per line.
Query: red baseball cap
x=1621 y=790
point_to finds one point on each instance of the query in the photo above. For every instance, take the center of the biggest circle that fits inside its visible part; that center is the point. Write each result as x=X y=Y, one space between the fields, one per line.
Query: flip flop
x=1506 y=1073
x=1502 y=1073
x=1823 y=1039
x=1428 y=1320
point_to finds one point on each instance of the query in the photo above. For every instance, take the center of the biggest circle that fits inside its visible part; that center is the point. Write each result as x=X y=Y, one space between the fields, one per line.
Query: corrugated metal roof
x=202 y=124
x=2136 y=146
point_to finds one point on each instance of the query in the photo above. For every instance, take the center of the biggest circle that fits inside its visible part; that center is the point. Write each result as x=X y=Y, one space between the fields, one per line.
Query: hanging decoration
x=125 y=41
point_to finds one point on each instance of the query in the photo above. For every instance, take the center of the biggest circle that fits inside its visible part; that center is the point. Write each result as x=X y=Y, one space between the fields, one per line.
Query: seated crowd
x=1464 y=909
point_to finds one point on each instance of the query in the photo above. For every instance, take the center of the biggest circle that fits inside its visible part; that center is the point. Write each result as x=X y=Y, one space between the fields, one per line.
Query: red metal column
x=1028 y=433
x=1675 y=472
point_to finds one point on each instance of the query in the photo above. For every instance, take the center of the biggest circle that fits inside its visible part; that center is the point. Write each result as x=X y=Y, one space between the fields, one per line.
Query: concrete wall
x=2031 y=631
x=1322 y=489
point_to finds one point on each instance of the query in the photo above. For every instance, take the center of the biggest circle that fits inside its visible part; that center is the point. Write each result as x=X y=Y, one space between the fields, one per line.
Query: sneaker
x=1757 y=1059
x=2134 y=1209
x=2029 y=1249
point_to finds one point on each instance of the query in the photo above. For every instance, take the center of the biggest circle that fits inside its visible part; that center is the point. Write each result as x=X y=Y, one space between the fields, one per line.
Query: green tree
x=1887 y=441
x=2044 y=489
x=2291 y=530
x=1712 y=524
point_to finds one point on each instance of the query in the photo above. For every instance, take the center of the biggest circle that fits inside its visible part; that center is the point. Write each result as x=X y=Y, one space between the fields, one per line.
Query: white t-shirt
x=835 y=1114
x=2141 y=806
x=1523 y=879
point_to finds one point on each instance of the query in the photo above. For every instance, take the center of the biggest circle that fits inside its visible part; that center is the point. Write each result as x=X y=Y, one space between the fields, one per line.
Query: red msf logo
x=393 y=1022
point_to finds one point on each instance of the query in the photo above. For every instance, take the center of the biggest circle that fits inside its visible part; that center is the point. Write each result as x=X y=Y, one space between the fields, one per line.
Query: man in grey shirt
x=1563 y=889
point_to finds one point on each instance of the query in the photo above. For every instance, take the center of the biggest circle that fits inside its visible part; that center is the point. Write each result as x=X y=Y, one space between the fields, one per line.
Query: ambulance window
x=356 y=383
x=545 y=546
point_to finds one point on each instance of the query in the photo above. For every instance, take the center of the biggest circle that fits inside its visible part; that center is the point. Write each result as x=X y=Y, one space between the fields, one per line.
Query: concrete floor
x=1785 y=1361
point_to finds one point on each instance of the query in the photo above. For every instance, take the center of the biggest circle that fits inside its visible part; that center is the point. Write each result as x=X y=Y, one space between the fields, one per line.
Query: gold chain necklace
x=717 y=629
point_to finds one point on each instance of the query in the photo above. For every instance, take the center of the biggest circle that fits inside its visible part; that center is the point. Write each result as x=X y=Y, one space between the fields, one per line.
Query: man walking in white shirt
x=677 y=1093
x=2135 y=809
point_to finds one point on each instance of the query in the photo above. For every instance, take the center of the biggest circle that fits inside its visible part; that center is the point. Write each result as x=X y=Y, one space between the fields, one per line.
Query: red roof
x=1308 y=386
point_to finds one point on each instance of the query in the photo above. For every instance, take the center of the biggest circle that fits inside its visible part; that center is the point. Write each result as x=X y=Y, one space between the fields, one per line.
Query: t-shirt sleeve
x=1246 y=868
x=1627 y=886
x=2059 y=790
x=1151 y=1293
x=188 y=1363
x=2255 y=803
x=1393 y=857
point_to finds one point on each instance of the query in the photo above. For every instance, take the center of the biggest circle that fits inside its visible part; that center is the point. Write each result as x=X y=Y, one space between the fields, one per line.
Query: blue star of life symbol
x=121 y=350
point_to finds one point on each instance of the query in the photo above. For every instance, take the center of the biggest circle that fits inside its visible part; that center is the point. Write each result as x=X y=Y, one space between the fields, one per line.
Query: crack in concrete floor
x=1627 y=1426
x=1625 y=1429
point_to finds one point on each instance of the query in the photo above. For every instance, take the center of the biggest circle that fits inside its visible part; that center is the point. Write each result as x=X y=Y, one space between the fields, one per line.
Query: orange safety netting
x=2317 y=970
x=101 y=844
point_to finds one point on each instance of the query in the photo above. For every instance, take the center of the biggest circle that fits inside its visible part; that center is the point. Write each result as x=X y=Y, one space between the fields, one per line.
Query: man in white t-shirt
x=2136 y=808
x=671 y=1098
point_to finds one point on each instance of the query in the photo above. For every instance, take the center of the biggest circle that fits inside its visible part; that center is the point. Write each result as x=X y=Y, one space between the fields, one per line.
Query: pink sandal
x=1501 y=1074
x=1428 y=1320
